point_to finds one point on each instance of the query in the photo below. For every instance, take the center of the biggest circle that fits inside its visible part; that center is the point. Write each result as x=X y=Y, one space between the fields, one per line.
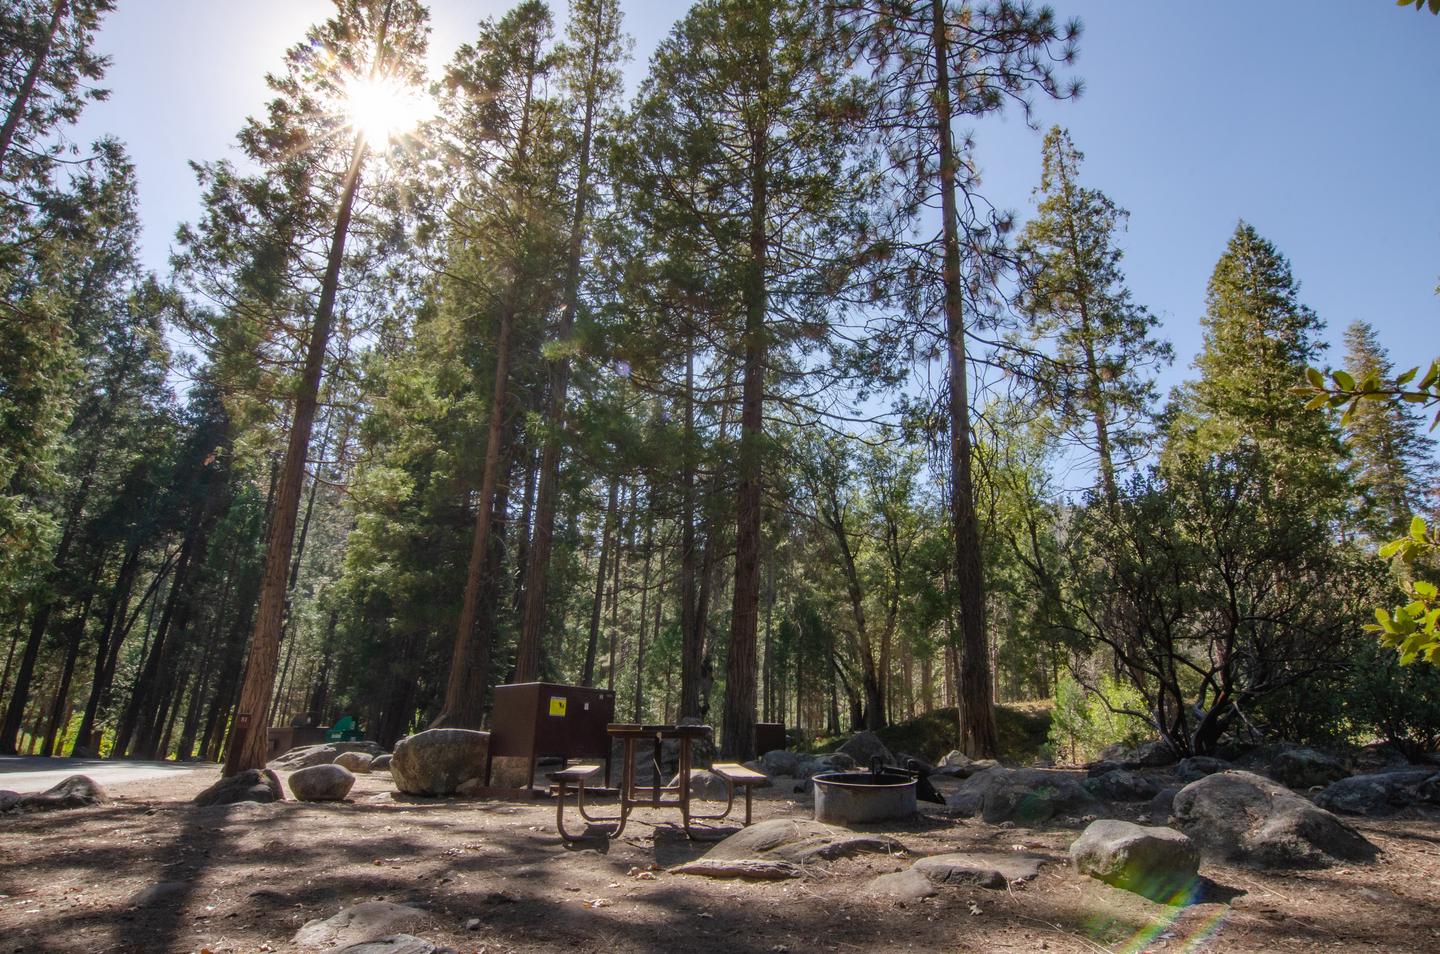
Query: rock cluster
x=1022 y=796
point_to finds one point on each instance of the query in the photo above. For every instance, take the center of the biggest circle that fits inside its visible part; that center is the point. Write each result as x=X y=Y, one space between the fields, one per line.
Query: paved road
x=34 y=774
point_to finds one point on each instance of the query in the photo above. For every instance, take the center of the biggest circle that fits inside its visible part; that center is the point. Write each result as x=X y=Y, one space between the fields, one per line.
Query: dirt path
x=494 y=877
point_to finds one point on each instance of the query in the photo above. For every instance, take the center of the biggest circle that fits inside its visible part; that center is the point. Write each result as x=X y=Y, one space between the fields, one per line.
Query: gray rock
x=371 y=749
x=1303 y=767
x=955 y=759
x=1102 y=767
x=1242 y=817
x=966 y=770
x=780 y=762
x=305 y=756
x=799 y=841
x=986 y=869
x=1122 y=785
x=838 y=762
x=321 y=783
x=358 y=924
x=706 y=785
x=1158 y=863
x=1429 y=790
x=159 y=893
x=77 y=791
x=1156 y=754
x=1163 y=804
x=864 y=746
x=1199 y=766
x=907 y=885
x=380 y=763
x=251 y=785
x=357 y=762
x=8 y=800
x=752 y=868
x=391 y=944
x=1382 y=793
x=1022 y=796
x=439 y=761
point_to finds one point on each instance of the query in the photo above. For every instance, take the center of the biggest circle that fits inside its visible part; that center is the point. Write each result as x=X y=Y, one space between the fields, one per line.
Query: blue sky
x=1316 y=120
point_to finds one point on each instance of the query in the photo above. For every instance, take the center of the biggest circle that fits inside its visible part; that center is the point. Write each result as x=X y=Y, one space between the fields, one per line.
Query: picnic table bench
x=633 y=795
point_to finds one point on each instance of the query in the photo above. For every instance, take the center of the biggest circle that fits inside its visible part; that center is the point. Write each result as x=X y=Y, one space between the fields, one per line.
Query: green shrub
x=1083 y=723
x=1394 y=703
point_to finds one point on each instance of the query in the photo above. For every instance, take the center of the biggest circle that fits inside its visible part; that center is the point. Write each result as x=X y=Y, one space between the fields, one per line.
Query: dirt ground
x=494 y=877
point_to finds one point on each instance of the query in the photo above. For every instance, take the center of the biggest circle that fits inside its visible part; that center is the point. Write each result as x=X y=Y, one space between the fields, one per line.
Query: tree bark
x=248 y=737
x=587 y=676
x=738 y=728
x=978 y=738
x=692 y=632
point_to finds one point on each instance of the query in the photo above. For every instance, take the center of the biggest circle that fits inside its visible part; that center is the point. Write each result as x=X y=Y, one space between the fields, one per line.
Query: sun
x=381 y=108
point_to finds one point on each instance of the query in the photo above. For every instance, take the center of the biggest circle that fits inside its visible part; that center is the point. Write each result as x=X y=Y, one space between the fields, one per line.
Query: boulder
x=305 y=756
x=1158 y=863
x=251 y=785
x=907 y=885
x=1199 y=766
x=1102 y=767
x=780 y=762
x=358 y=762
x=361 y=923
x=8 y=800
x=1242 y=817
x=380 y=763
x=799 y=841
x=965 y=770
x=439 y=761
x=1122 y=785
x=705 y=785
x=1162 y=804
x=985 y=869
x=321 y=783
x=1382 y=793
x=955 y=759
x=1302 y=767
x=863 y=747
x=1023 y=796
x=371 y=749
x=1156 y=754
x=77 y=791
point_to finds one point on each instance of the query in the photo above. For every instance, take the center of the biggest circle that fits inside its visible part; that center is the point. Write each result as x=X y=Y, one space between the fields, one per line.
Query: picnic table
x=631 y=794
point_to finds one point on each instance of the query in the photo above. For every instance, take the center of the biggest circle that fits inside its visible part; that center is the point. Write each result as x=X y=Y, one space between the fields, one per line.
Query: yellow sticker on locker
x=557 y=705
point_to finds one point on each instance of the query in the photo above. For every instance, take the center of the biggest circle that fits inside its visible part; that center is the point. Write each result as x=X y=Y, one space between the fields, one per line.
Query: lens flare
x=381 y=108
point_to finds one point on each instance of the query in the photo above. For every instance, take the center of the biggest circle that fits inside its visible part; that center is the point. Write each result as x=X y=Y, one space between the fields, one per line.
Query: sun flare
x=380 y=108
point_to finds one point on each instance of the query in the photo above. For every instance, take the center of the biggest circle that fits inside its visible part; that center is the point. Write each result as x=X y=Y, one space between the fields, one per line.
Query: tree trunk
x=537 y=566
x=20 y=695
x=248 y=738
x=587 y=676
x=978 y=737
x=692 y=633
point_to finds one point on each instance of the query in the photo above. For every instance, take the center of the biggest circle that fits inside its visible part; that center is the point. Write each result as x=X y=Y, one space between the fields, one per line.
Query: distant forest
x=735 y=395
